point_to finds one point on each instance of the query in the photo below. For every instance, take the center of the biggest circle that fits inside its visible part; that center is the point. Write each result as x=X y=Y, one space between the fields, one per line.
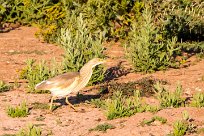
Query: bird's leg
x=66 y=100
x=51 y=102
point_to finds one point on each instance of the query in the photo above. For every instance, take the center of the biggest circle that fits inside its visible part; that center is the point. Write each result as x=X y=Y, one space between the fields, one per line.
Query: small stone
x=98 y=119
x=11 y=51
x=198 y=89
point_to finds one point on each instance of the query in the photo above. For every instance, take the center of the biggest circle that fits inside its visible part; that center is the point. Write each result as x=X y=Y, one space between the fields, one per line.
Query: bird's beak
x=102 y=61
x=106 y=61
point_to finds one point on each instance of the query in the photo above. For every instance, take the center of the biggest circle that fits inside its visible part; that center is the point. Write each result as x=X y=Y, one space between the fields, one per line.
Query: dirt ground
x=20 y=44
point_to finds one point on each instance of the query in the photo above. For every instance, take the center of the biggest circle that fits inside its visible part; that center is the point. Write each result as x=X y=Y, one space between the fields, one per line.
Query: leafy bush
x=31 y=130
x=180 y=128
x=38 y=105
x=120 y=106
x=184 y=126
x=102 y=127
x=171 y=99
x=158 y=118
x=198 y=100
x=146 y=47
x=152 y=108
x=98 y=103
x=4 y=87
x=19 y=111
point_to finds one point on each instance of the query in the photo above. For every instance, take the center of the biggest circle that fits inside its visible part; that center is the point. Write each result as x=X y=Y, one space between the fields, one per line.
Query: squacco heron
x=64 y=84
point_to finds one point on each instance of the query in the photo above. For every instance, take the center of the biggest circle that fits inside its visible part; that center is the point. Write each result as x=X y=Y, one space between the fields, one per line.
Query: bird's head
x=96 y=61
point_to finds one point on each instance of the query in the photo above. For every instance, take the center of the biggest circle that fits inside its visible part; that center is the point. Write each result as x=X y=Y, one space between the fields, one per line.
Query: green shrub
x=184 y=126
x=146 y=47
x=180 y=128
x=198 y=100
x=102 y=127
x=98 y=103
x=19 y=111
x=121 y=106
x=171 y=99
x=8 y=135
x=53 y=19
x=4 y=87
x=152 y=108
x=31 y=130
x=155 y=118
x=38 y=105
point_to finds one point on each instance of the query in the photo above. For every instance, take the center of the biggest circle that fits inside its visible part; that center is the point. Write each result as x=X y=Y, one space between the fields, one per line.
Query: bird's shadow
x=115 y=72
x=79 y=98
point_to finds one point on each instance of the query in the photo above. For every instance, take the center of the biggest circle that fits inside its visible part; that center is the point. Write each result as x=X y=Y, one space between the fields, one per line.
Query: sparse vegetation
x=31 y=130
x=171 y=99
x=40 y=118
x=152 y=108
x=155 y=118
x=146 y=85
x=184 y=126
x=19 y=111
x=180 y=128
x=119 y=105
x=8 y=135
x=102 y=127
x=4 y=87
x=198 y=100
x=98 y=103
x=27 y=52
x=200 y=131
x=202 y=78
x=38 y=105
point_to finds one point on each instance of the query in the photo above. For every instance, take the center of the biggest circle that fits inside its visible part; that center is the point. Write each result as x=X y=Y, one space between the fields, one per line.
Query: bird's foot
x=75 y=109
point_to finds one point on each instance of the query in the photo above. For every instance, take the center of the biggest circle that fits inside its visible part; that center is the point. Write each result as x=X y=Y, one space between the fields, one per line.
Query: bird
x=64 y=84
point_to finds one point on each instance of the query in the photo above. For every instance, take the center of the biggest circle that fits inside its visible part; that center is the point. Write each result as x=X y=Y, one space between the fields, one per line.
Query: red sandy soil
x=20 y=44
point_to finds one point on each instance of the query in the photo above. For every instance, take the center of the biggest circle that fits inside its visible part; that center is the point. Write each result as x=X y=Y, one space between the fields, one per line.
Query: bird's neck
x=85 y=75
x=85 y=71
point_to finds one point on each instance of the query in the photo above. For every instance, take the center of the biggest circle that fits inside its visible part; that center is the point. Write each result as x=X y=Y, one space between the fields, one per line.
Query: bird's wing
x=60 y=81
